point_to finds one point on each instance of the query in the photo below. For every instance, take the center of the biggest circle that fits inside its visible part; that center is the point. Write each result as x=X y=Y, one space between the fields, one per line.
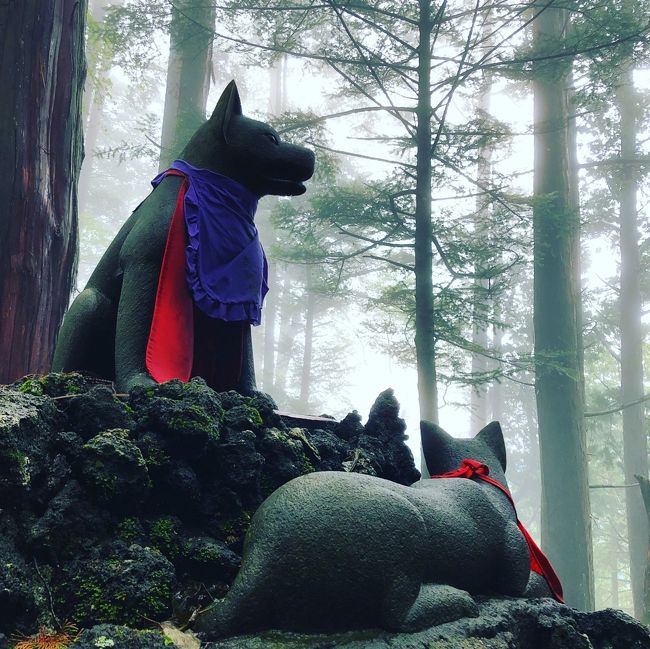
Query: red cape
x=183 y=341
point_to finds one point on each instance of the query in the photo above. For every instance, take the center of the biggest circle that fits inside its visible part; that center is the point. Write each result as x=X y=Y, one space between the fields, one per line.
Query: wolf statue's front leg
x=134 y=316
x=247 y=385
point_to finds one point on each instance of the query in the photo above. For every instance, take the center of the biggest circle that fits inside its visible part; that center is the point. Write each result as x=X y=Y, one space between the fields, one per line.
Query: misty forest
x=475 y=234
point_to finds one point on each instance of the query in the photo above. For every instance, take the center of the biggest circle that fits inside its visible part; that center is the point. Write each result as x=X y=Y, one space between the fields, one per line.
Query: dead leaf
x=181 y=639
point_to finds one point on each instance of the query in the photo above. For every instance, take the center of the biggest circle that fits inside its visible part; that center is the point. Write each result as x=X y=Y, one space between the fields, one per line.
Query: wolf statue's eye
x=272 y=137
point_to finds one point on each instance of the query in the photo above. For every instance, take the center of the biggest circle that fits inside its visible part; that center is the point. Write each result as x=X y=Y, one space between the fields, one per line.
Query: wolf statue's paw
x=142 y=379
x=437 y=604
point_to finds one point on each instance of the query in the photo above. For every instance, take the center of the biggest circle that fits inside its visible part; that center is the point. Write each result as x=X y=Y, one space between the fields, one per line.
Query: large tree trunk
x=188 y=74
x=635 y=446
x=424 y=314
x=566 y=531
x=42 y=70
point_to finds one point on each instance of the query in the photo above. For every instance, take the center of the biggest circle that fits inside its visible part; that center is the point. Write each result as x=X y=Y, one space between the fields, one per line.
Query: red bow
x=539 y=563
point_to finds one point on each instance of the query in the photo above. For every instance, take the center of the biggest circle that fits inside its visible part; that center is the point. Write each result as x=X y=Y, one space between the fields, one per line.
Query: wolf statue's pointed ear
x=229 y=104
x=435 y=443
x=492 y=436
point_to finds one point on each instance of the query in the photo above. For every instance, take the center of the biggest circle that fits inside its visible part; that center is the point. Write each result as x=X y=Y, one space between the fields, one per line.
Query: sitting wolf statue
x=334 y=550
x=178 y=288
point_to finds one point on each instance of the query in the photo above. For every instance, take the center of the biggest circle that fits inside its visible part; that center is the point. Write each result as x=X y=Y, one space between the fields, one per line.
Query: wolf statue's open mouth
x=287 y=187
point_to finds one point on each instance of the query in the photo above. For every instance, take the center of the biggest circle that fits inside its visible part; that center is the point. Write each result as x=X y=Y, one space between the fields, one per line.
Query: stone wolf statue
x=334 y=550
x=178 y=288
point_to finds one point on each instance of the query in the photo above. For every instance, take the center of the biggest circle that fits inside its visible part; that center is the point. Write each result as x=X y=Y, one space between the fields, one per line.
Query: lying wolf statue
x=334 y=550
x=178 y=288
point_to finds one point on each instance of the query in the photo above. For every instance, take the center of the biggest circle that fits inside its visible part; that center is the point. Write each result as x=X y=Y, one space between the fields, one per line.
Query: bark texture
x=566 y=531
x=42 y=71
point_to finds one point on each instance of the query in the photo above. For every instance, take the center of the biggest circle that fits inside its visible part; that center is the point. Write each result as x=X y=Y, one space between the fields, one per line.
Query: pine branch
x=624 y=406
x=360 y=155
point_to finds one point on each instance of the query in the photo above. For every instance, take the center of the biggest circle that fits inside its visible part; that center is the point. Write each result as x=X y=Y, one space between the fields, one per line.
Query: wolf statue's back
x=137 y=305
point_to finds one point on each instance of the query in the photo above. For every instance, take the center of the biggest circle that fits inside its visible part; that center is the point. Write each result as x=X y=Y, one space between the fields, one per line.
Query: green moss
x=95 y=603
x=235 y=529
x=91 y=602
x=255 y=417
x=156 y=457
x=130 y=530
x=32 y=385
x=165 y=537
x=307 y=467
x=124 y=405
x=54 y=384
x=19 y=462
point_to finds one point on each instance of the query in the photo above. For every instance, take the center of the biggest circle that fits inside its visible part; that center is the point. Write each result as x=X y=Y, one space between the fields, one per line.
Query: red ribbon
x=539 y=563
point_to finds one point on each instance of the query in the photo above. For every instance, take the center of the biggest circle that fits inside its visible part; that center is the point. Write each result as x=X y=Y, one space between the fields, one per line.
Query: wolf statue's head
x=444 y=453
x=248 y=151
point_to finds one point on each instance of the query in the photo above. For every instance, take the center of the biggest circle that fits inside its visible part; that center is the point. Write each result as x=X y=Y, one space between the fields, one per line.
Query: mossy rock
x=185 y=426
x=56 y=384
x=232 y=399
x=19 y=590
x=70 y=524
x=243 y=417
x=115 y=471
x=121 y=585
x=165 y=534
x=350 y=427
x=284 y=459
x=111 y=636
x=238 y=464
x=27 y=425
x=195 y=392
x=95 y=411
x=206 y=559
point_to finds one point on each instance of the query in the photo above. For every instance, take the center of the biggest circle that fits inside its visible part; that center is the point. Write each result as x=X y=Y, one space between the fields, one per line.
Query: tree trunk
x=310 y=315
x=478 y=399
x=644 y=486
x=277 y=106
x=566 y=531
x=635 y=446
x=188 y=74
x=99 y=64
x=290 y=317
x=424 y=318
x=90 y=140
x=42 y=70
x=270 y=316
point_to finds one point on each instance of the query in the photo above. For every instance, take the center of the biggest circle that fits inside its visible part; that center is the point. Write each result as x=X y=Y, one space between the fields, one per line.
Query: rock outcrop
x=121 y=509
x=116 y=510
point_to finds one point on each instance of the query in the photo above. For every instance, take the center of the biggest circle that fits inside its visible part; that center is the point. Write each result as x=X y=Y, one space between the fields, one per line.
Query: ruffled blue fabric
x=225 y=264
